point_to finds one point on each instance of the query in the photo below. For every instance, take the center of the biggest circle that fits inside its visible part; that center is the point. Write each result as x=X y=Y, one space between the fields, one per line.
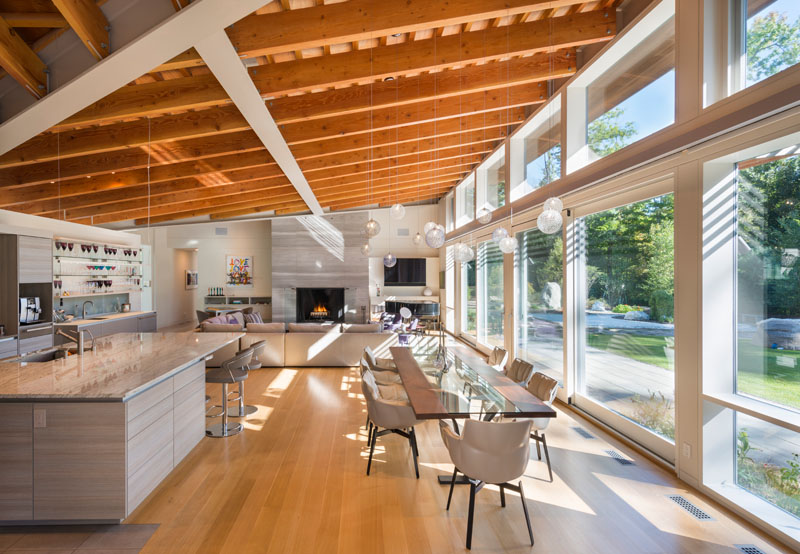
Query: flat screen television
x=407 y=272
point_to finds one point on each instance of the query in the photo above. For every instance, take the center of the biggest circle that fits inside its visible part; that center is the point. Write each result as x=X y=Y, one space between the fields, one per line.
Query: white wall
x=23 y=224
x=212 y=242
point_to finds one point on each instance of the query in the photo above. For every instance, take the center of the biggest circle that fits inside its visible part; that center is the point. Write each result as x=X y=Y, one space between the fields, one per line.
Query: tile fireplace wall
x=324 y=251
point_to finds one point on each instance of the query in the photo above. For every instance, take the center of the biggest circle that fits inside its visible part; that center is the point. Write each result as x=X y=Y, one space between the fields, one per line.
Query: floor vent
x=689 y=507
x=749 y=549
x=583 y=432
x=619 y=457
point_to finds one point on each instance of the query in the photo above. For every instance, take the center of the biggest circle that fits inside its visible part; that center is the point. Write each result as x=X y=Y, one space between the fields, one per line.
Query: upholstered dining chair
x=378 y=364
x=519 y=371
x=202 y=316
x=390 y=386
x=498 y=358
x=388 y=416
x=488 y=452
x=544 y=388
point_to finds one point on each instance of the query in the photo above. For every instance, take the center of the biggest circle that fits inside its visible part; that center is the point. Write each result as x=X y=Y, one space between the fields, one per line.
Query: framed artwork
x=190 y=279
x=239 y=271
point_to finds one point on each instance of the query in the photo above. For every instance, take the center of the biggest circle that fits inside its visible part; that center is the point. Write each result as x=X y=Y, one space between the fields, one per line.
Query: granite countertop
x=122 y=366
x=105 y=317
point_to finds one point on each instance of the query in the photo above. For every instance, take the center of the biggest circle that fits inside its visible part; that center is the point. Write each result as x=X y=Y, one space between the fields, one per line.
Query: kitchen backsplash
x=102 y=304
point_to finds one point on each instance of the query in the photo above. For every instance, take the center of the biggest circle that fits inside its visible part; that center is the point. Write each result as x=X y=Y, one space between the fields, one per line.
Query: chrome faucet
x=78 y=338
x=84 y=307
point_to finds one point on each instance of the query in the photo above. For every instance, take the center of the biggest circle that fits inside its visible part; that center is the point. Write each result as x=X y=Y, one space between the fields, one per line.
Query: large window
x=469 y=299
x=629 y=337
x=465 y=201
x=540 y=276
x=490 y=294
x=538 y=143
x=492 y=182
x=768 y=279
x=771 y=38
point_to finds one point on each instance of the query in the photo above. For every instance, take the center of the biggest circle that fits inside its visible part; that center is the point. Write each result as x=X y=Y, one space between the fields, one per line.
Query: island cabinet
x=97 y=460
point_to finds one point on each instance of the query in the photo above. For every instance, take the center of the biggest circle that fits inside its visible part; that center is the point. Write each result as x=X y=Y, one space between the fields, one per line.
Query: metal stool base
x=217 y=413
x=248 y=410
x=218 y=430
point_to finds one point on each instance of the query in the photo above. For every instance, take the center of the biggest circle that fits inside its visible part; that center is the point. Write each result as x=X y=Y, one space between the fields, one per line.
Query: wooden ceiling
x=378 y=101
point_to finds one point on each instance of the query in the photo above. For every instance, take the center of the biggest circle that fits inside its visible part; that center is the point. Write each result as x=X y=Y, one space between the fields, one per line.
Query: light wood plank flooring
x=294 y=482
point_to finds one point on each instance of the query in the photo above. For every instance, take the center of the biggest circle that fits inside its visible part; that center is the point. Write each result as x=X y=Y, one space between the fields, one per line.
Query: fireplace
x=320 y=305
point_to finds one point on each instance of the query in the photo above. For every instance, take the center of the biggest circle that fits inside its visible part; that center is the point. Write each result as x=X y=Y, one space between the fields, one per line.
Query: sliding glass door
x=469 y=300
x=490 y=294
x=626 y=336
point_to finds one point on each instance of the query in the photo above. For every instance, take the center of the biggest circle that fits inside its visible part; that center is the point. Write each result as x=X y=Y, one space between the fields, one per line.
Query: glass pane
x=469 y=299
x=768 y=462
x=768 y=279
x=465 y=202
x=490 y=294
x=630 y=338
x=635 y=97
x=772 y=38
x=494 y=195
x=540 y=334
x=543 y=154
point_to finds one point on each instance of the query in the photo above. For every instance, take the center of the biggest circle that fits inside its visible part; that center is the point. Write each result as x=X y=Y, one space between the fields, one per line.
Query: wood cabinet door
x=16 y=461
x=35 y=255
x=79 y=461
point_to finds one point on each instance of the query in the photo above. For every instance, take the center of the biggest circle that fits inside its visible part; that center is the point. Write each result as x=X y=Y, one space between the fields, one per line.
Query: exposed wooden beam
x=21 y=62
x=35 y=19
x=89 y=23
x=205 y=147
x=187 y=59
x=293 y=109
x=353 y=67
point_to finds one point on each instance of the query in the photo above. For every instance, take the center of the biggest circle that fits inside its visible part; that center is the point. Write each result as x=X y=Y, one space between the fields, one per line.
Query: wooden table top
x=426 y=398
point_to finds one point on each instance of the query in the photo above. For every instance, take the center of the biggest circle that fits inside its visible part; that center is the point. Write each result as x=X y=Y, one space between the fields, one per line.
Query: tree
x=773 y=44
x=606 y=134
x=661 y=257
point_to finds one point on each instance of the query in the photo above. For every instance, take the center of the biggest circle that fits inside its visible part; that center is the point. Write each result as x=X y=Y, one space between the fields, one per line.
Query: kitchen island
x=87 y=438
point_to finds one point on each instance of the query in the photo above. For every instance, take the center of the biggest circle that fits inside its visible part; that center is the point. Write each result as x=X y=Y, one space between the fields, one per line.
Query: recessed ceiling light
x=397 y=35
x=389 y=78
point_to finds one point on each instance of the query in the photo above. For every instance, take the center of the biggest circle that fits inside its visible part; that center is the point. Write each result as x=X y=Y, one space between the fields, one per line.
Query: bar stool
x=232 y=371
x=242 y=410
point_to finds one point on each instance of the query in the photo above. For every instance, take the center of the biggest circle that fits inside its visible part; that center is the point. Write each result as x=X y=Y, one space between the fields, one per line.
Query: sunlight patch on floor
x=256 y=421
x=280 y=383
x=651 y=502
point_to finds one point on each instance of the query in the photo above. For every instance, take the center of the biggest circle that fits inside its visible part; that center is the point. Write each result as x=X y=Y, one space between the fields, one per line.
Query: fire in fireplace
x=320 y=304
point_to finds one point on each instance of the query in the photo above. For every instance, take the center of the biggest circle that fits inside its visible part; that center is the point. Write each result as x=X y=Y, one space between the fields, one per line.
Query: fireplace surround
x=320 y=305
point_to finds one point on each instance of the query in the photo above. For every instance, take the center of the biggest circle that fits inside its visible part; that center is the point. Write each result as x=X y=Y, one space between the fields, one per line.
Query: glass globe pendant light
x=549 y=221
x=389 y=260
x=371 y=228
x=553 y=203
x=397 y=211
x=464 y=253
x=484 y=216
x=366 y=249
x=418 y=238
x=508 y=245
x=428 y=226
x=499 y=234
x=434 y=238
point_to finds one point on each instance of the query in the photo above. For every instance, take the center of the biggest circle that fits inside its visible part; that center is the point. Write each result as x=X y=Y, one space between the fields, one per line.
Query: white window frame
x=463 y=218
x=482 y=179
x=543 y=120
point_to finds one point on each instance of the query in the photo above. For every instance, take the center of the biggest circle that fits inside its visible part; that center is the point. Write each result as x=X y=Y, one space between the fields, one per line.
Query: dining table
x=455 y=388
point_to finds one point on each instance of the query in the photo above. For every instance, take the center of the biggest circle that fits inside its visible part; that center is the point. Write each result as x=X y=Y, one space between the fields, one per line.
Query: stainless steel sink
x=46 y=355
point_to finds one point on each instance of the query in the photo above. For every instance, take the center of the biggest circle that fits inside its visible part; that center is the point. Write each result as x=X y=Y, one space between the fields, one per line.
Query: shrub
x=623 y=309
x=778 y=485
x=655 y=413
x=662 y=306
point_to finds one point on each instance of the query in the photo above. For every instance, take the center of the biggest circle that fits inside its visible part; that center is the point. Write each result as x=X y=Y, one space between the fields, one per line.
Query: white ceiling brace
x=201 y=18
x=223 y=61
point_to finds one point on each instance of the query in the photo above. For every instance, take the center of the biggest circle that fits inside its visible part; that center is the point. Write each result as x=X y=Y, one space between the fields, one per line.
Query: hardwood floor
x=294 y=481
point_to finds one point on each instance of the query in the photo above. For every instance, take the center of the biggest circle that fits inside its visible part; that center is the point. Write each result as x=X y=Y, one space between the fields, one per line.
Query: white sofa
x=307 y=344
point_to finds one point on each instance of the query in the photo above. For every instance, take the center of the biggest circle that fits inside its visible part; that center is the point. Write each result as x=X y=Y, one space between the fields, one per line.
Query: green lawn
x=647 y=349
x=778 y=381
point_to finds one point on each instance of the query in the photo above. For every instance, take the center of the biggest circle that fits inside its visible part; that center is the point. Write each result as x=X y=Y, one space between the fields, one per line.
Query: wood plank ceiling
x=379 y=102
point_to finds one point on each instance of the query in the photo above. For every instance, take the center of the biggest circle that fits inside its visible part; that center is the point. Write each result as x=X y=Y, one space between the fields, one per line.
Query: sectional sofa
x=305 y=344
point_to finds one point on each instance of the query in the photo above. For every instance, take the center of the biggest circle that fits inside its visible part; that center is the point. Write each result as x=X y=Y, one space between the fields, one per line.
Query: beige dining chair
x=488 y=452
x=498 y=358
x=390 y=386
x=544 y=388
x=378 y=364
x=388 y=416
x=519 y=371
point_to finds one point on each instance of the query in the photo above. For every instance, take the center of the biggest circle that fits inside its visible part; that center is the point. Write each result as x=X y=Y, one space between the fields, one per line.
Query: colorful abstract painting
x=239 y=271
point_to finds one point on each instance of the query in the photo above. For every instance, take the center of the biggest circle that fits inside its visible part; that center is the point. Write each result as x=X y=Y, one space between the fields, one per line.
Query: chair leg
x=547 y=457
x=412 y=442
x=416 y=444
x=525 y=509
x=372 y=441
x=471 y=514
x=535 y=437
x=452 y=486
x=502 y=496
x=366 y=423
